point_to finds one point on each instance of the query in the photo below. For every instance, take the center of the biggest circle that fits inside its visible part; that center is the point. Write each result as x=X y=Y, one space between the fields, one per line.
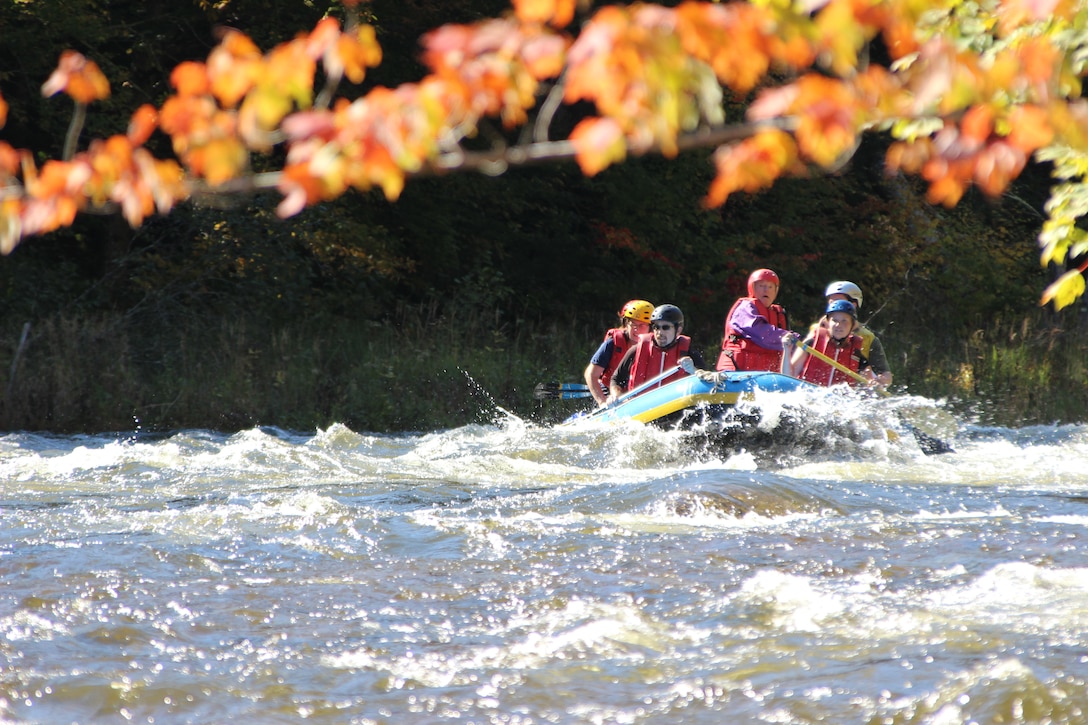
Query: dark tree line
x=536 y=245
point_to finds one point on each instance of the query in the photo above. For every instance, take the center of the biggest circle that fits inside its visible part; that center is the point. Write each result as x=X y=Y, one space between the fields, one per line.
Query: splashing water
x=824 y=569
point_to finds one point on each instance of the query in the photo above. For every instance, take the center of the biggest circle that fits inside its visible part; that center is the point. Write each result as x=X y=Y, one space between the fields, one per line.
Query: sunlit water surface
x=513 y=573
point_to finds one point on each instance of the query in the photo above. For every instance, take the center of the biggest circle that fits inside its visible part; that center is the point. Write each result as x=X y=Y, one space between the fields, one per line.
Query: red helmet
x=761 y=275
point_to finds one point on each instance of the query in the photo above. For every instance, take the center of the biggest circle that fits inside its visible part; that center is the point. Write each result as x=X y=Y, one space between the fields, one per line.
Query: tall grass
x=429 y=368
x=1017 y=371
x=422 y=370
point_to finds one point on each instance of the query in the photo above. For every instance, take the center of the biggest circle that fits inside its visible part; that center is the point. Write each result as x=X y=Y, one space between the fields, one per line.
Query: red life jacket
x=740 y=353
x=620 y=343
x=650 y=360
x=848 y=355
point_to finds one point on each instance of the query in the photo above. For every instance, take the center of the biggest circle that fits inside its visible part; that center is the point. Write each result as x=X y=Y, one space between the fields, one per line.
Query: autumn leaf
x=947 y=182
x=1065 y=290
x=978 y=123
x=840 y=38
x=908 y=157
x=233 y=68
x=1030 y=128
x=1039 y=60
x=355 y=53
x=825 y=108
x=752 y=164
x=996 y=166
x=142 y=123
x=10 y=159
x=558 y=13
x=11 y=226
x=79 y=77
x=598 y=143
x=1016 y=13
x=190 y=78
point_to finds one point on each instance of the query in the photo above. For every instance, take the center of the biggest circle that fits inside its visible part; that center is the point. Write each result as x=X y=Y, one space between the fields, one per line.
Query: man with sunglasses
x=655 y=353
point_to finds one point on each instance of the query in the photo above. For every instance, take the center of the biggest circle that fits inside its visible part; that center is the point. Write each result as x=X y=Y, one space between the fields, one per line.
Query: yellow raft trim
x=687 y=401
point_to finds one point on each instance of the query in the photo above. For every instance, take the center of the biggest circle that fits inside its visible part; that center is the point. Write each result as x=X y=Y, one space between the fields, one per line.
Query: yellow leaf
x=1065 y=290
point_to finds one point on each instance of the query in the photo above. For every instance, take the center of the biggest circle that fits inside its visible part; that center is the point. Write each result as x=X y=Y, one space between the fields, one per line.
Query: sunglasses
x=664 y=327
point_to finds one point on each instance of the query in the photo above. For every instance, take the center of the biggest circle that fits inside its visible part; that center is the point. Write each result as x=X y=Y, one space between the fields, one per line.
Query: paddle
x=561 y=391
x=632 y=393
x=839 y=366
x=928 y=444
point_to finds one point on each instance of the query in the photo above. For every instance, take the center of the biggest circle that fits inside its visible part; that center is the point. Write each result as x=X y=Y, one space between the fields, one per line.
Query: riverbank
x=424 y=370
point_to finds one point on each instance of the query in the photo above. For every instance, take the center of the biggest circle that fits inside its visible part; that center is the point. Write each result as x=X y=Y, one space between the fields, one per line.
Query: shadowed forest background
x=431 y=311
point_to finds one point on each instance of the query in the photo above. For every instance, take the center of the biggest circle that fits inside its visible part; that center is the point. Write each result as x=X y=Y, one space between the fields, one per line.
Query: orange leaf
x=78 y=77
x=190 y=78
x=908 y=156
x=1031 y=128
x=358 y=52
x=1040 y=59
x=598 y=143
x=945 y=187
x=10 y=159
x=978 y=123
x=142 y=124
x=1015 y=13
x=751 y=165
x=997 y=166
x=899 y=38
x=233 y=67
x=826 y=111
x=557 y=12
x=220 y=160
x=11 y=226
x=3 y=112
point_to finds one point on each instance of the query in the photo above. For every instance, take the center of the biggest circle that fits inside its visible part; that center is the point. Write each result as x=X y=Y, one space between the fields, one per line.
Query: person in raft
x=871 y=346
x=655 y=353
x=755 y=327
x=835 y=338
x=634 y=321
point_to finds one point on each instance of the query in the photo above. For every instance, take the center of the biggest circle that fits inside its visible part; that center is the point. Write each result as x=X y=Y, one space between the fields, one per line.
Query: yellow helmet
x=638 y=310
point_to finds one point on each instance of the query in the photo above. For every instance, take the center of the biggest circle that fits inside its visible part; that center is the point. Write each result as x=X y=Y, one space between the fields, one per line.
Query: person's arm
x=696 y=356
x=596 y=368
x=793 y=357
x=618 y=384
x=592 y=376
x=747 y=322
x=878 y=363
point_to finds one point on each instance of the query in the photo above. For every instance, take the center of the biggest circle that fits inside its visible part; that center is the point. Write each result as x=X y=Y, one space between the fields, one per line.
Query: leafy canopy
x=970 y=91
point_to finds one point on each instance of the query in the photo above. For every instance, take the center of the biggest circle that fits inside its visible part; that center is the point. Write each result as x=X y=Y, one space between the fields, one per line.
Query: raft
x=693 y=402
x=672 y=401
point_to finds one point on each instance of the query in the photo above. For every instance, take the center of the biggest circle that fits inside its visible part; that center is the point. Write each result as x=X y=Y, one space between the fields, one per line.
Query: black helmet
x=667 y=313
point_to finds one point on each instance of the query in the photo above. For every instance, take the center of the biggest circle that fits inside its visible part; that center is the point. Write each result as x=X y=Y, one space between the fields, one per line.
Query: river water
x=522 y=573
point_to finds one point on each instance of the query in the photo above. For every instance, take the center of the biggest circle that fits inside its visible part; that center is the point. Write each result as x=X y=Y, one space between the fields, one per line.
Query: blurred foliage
x=405 y=315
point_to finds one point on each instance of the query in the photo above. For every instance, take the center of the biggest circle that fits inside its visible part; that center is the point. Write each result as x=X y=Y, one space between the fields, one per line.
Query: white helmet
x=849 y=289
